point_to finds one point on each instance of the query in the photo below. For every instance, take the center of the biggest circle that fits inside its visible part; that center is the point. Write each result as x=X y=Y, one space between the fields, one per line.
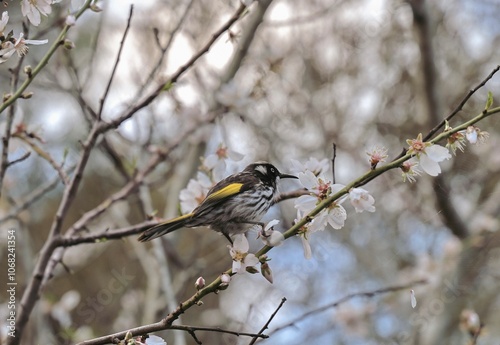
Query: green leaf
x=168 y=86
x=489 y=101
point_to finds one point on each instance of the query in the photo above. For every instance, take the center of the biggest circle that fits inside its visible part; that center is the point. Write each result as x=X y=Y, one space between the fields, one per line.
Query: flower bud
x=96 y=6
x=266 y=272
x=252 y=270
x=225 y=279
x=68 y=44
x=469 y=322
x=199 y=284
x=70 y=20
x=28 y=70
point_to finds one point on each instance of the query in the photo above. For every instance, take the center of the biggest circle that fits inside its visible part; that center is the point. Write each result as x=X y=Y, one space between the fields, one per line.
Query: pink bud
x=200 y=283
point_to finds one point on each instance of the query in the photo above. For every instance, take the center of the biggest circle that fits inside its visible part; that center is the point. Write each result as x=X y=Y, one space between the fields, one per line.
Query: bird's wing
x=221 y=192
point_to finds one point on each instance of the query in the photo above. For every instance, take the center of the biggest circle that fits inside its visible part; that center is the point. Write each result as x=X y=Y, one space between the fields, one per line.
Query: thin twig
x=461 y=104
x=173 y=79
x=107 y=234
x=44 y=155
x=333 y=162
x=118 y=56
x=216 y=330
x=163 y=54
x=348 y=298
x=20 y=159
x=283 y=300
x=4 y=164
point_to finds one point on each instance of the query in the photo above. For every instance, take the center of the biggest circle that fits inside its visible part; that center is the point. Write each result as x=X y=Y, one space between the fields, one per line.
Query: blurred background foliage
x=355 y=73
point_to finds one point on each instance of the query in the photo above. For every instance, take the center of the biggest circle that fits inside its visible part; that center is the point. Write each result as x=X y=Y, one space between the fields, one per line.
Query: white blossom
x=410 y=171
x=3 y=22
x=195 y=192
x=377 y=155
x=239 y=252
x=361 y=200
x=19 y=46
x=429 y=155
x=318 y=168
x=271 y=237
x=33 y=8
x=216 y=163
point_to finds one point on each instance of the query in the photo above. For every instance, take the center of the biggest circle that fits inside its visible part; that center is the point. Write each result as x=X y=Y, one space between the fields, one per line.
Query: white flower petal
x=308 y=180
x=36 y=42
x=273 y=239
x=210 y=161
x=235 y=156
x=240 y=243
x=251 y=260
x=306 y=203
x=236 y=266
x=413 y=299
x=4 y=21
x=437 y=153
x=471 y=136
x=336 y=217
x=271 y=224
x=430 y=166
x=296 y=166
x=155 y=340
x=319 y=222
x=337 y=187
x=307 y=247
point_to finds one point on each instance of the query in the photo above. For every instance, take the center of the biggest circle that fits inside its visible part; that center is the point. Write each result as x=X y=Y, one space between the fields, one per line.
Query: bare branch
x=44 y=155
x=335 y=304
x=171 y=37
x=291 y=195
x=173 y=79
x=216 y=330
x=283 y=300
x=107 y=234
x=20 y=159
x=115 y=66
x=461 y=104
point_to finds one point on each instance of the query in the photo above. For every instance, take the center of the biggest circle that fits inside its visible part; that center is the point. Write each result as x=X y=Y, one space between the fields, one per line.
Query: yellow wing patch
x=231 y=189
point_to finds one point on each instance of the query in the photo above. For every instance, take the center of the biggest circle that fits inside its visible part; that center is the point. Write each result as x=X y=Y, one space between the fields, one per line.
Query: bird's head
x=266 y=172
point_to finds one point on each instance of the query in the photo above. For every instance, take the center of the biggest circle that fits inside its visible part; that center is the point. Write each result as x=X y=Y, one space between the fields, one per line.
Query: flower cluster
x=429 y=155
x=459 y=139
x=334 y=214
x=10 y=45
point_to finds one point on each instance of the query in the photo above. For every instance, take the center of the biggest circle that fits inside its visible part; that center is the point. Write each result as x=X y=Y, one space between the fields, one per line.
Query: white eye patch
x=261 y=169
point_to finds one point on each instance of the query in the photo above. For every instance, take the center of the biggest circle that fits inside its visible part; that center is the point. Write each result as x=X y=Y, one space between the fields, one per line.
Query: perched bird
x=232 y=206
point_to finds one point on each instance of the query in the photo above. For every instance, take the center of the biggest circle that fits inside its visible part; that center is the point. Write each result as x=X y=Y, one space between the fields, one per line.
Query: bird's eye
x=272 y=170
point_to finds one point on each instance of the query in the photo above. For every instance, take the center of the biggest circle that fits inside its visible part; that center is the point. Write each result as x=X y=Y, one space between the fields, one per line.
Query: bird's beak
x=287 y=176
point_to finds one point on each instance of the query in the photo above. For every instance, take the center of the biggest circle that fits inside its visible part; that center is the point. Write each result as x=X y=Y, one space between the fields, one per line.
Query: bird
x=232 y=206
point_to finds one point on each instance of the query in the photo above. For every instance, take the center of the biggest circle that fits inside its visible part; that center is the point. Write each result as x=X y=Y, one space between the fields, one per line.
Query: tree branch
x=335 y=304
x=266 y=325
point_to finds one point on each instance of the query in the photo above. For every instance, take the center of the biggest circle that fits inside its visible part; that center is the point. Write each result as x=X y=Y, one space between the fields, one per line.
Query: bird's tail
x=164 y=228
